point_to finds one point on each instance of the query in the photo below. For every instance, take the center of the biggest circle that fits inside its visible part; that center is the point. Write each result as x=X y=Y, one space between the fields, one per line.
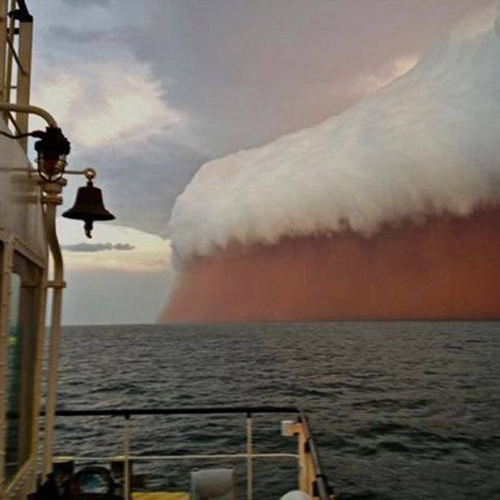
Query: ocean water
x=400 y=410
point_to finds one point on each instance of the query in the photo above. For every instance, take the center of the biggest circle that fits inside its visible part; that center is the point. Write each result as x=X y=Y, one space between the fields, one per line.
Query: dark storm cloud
x=98 y=247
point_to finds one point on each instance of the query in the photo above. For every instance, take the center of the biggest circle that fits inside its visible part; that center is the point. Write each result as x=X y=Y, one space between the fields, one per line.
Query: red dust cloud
x=445 y=268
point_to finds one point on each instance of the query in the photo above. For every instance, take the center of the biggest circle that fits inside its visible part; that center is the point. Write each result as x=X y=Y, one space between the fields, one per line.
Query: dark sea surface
x=400 y=410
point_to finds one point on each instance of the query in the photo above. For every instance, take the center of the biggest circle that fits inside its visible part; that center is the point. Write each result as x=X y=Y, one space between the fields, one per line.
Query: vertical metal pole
x=3 y=46
x=52 y=381
x=249 y=458
x=24 y=76
x=51 y=199
x=11 y=26
x=39 y=369
x=126 y=458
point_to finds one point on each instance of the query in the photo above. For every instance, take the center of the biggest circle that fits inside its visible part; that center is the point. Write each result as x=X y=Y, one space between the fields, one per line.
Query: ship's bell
x=88 y=207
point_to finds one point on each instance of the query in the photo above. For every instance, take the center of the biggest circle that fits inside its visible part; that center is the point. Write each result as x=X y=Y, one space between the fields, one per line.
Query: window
x=25 y=289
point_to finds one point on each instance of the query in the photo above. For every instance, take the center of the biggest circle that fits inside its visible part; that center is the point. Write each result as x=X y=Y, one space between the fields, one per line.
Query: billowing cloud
x=154 y=89
x=97 y=247
x=426 y=144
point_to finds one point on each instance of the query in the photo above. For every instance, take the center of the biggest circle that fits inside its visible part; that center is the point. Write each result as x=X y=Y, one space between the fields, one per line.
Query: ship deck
x=161 y=495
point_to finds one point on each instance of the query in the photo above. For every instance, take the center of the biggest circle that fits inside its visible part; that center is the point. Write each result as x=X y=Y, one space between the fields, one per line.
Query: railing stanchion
x=126 y=458
x=314 y=481
x=249 y=458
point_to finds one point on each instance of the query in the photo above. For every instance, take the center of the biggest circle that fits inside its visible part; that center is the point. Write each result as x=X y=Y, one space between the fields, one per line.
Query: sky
x=149 y=91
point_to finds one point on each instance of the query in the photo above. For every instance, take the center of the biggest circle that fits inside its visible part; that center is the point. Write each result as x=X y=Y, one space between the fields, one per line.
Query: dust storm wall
x=389 y=210
x=445 y=268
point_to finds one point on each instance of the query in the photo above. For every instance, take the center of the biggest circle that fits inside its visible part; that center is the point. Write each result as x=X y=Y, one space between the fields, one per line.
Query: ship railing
x=312 y=478
x=16 y=36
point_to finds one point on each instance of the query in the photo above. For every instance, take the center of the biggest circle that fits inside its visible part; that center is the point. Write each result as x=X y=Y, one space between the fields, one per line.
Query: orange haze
x=445 y=268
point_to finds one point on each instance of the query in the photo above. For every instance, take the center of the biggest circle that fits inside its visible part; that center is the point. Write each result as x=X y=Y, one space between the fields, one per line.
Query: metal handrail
x=202 y=410
x=322 y=489
x=208 y=456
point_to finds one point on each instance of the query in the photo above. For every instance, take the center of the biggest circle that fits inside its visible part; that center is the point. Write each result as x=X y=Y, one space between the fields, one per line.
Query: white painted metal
x=249 y=459
x=21 y=232
x=213 y=484
x=26 y=108
x=21 y=220
x=126 y=459
x=51 y=200
x=20 y=209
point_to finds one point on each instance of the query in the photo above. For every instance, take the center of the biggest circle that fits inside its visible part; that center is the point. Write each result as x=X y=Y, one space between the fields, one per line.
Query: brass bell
x=88 y=207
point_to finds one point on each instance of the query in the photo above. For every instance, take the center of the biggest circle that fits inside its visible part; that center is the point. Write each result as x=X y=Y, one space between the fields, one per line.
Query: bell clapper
x=87 y=227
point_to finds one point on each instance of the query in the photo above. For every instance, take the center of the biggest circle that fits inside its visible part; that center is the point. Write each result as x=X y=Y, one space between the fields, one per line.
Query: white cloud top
x=429 y=143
